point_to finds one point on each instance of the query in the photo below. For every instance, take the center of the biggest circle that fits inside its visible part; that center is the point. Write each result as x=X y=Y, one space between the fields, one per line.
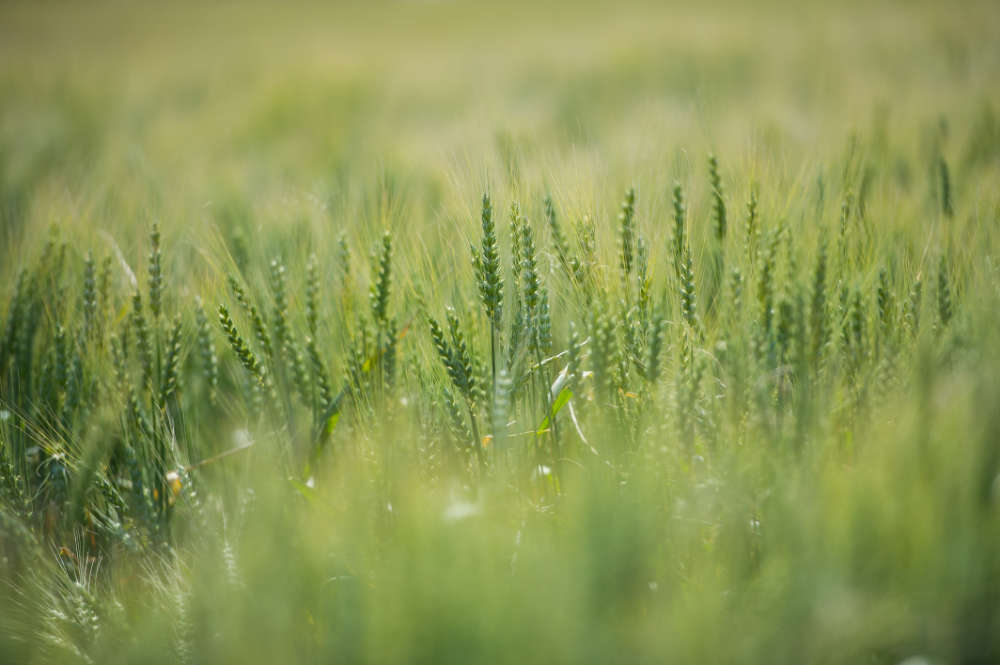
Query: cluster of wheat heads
x=738 y=328
x=749 y=332
x=567 y=357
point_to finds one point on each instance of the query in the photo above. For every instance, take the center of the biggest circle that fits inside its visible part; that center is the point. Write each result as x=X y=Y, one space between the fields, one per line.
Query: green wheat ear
x=718 y=202
x=343 y=256
x=679 y=237
x=240 y=346
x=500 y=412
x=312 y=294
x=911 y=313
x=206 y=351
x=89 y=297
x=715 y=271
x=885 y=302
x=279 y=314
x=689 y=309
x=515 y=247
x=320 y=377
x=605 y=354
x=818 y=327
x=171 y=365
x=536 y=300
x=143 y=343
x=297 y=366
x=458 y=360
x=627 y=235
x=944 y=180
x=654 y=348
x=155 y=274
x=104 y=285
x=853 y=330
x=490 y=281
x=574 y=360
x=378 y=294
x=765 y=284
x=790 y=333
x=944 y=295
x=259 y=327
x=843 y=240
x=752 y=228
x=488 y=273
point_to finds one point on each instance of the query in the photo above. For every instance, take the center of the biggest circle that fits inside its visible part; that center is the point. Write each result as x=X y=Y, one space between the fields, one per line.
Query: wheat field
x=440 y=332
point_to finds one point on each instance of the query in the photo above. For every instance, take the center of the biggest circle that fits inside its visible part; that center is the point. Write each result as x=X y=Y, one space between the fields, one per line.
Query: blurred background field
x=849 y=514
x=117 y=113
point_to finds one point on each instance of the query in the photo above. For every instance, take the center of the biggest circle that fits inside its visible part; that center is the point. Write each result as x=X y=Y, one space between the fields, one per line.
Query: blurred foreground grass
x=810 y=476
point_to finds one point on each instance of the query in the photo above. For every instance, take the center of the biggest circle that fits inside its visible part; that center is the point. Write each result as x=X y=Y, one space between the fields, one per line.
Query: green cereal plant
x=89 y=296
x=731 y=346
x=312 y=294
x=15 y=311
x=716 y=262
x=519 y=318
x=605 y=355
x=944 y=184
x=911 y=309
x=818 y=316
x=944 y=293
x=688 y=296
x=654 y=347
x=343 y=255
x=206 y=352
x=171 y=363
x=689 y=378
x=501 y=407
x=460 y=363
x=284 y=340
x=259 y=326
x=321 y=380
x=385 y=326
x=643 y=277
x=279 y=313
x=718 y=200
x=574 y=359
x=536 y=302
x=240 y=347
x=751 y=240
x=586 y=234
x=627 y=236
x=766 y=284
x=104 y=285
x=297 y=367
x=155 y=274
x=489 y=278
x=456 y=421
x=378 y=294
x=844 y=237
x=791 y=336
x=144 y=344
x=853 y=333
x=679 y=237
x=886 y=304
